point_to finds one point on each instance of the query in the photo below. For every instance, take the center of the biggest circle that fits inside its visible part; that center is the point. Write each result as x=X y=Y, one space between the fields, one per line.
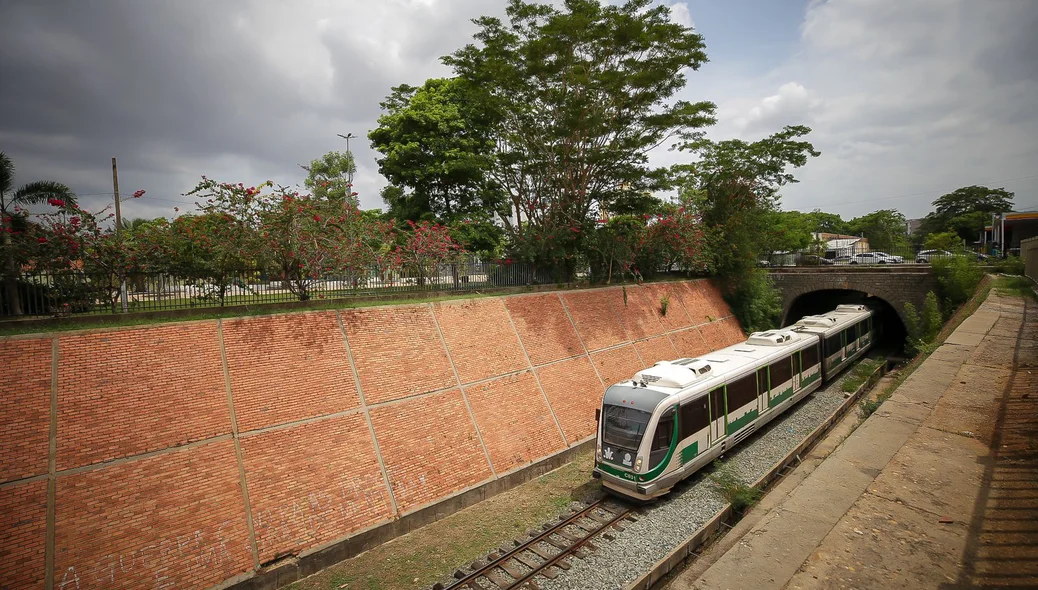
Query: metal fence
x=866 y=256
x=77 y=293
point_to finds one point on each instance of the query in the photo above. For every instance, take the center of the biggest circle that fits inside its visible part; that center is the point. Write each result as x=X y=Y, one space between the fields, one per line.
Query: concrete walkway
x=938 y=489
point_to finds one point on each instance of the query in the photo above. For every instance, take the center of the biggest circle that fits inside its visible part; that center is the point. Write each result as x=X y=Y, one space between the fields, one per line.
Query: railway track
x=545 y=552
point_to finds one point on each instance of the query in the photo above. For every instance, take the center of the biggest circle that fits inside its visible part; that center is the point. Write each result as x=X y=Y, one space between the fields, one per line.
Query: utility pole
x=118 y=230
x=349 y=172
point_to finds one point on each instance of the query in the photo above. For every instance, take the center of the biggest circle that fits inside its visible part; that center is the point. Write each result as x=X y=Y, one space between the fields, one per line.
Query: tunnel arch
x=889 y=321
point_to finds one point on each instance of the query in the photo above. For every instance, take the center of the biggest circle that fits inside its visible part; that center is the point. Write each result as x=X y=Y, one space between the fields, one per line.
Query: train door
x=843 y=345
x=763 y=386
x=798 y=367
x=718 y=415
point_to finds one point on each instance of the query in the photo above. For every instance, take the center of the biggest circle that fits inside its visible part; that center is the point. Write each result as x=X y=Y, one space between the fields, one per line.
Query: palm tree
x=34 y=193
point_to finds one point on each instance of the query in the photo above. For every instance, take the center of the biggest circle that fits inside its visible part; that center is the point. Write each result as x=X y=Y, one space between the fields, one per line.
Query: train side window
x=863 y=328
x=810 y=356
x=832 y=344
x=695 y=416
x=661 y=439
x=742 y=391
x=781 y=372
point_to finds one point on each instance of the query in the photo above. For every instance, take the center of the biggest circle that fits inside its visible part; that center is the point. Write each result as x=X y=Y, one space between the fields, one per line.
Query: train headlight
x=598 y=453
x=638 y=465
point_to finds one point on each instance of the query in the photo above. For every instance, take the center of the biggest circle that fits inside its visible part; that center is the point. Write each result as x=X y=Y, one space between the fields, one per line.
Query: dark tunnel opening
x=892 y=333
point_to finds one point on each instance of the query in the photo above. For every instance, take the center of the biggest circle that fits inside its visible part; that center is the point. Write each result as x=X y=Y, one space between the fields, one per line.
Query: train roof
x=839 y=318
x=648 y=387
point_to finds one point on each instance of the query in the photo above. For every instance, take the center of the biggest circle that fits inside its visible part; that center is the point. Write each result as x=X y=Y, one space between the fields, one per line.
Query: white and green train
x=673 y=418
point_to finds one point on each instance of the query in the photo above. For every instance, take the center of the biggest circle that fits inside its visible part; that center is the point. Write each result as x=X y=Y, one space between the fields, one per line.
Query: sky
x=907 y=100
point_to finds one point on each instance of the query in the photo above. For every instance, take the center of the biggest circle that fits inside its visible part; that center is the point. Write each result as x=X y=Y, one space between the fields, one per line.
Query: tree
x=435 y=141
x=578 y=96
x=13 y=203
x=330 y=177
x=973 y=198
x=306 y=237
x=943 y=241
x=966 y=211
x=786 y=231
x=425 y=248
x=734 y=190
x=830 y=223
x=885 y=229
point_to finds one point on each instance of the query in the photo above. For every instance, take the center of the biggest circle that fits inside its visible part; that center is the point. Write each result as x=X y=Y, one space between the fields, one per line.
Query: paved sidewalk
x=938 y=489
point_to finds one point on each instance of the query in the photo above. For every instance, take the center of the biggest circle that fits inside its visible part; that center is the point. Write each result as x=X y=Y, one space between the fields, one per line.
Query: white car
x=928 y=255
x=875 y=258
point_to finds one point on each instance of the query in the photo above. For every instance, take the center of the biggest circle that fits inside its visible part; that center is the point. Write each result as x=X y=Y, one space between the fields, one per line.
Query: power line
x=830 y=203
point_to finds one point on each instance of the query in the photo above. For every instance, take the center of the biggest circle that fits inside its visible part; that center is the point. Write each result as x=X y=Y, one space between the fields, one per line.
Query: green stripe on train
x=738 y=423
x=778 y=399
x=690 y=452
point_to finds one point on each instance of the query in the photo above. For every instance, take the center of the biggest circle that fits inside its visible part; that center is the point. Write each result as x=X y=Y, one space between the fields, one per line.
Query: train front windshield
x=624 y=427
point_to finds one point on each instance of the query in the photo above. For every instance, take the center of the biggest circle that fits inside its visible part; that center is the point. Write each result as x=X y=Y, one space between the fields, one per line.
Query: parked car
x=875 y=258
x=842 y=260
x=814 y=260
x=926 y=256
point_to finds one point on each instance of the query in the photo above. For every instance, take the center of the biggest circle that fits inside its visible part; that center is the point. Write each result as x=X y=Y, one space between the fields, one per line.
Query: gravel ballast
x=668 y=522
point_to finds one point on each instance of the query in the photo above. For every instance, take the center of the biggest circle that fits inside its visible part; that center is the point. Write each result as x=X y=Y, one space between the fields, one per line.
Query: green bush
x=859 y=374
x=932 y=319
x=731 y=487
x=1011 y=265
x=755 y=302
x=957 y=279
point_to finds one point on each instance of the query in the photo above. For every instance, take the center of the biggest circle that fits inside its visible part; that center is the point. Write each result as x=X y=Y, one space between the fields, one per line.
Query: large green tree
x=13 y=202
x=966 y=211
x=885 y=230
x=734 y=188
x=330 y=177
x=579 y=95
x=435 y=147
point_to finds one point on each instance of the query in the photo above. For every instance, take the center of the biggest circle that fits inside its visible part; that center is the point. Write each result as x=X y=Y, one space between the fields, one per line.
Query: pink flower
x=41 y=240
x=56 y=202
x=138 y=194
x=176 y=208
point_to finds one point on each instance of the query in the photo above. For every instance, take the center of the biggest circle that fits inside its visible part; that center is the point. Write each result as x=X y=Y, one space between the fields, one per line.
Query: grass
x=859 y=374
x=733 y=489
x=115 y=321
x=425 y=556
x=1018 y=286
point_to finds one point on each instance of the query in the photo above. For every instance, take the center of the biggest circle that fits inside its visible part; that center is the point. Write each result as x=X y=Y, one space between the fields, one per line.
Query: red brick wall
x=126 y=392
x=135 y=508
x=398 y=352
x=430 y=448
x=24 y=407
x=544 y=328
x=575 y=392
x=175 y=520
x=313 y=483
x=288 y=368
x=594 y=316
x=616 y=364
x=23 y=534
x=480 y=338
x=515 y=421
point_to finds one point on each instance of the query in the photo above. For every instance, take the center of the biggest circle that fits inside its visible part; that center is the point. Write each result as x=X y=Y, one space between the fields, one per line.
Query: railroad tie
x=530 y=563
x=511 y=570
x=497 y=579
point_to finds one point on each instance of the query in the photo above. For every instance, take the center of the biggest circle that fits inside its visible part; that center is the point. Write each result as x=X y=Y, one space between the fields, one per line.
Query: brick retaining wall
x=190 y=455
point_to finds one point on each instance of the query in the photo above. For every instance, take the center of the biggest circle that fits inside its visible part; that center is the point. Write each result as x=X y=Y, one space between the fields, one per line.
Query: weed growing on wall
x=664 y=304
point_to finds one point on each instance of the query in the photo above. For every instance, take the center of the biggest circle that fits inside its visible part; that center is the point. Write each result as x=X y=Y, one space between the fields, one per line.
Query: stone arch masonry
x=251 y=451
x=895 y=285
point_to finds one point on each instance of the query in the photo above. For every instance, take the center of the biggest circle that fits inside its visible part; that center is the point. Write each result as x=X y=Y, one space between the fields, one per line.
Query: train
x=673 y=418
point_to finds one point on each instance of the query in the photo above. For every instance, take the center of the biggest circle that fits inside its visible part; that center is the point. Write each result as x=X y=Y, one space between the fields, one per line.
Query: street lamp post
x=349 y=172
